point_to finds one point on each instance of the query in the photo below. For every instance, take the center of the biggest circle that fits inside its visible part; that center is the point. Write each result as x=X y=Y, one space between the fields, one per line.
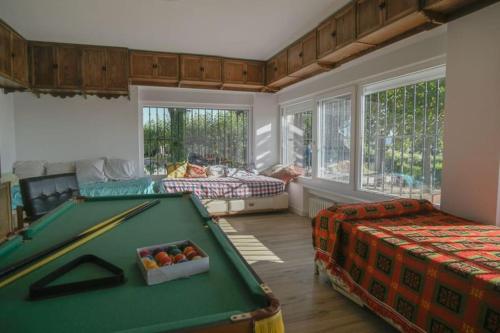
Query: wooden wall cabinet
x=379 y=21
x=105 y=70
x=43 y=66
x=201 y=70
x=302 y=53
x=154 y=68
x=243 y=74
x=13 y=59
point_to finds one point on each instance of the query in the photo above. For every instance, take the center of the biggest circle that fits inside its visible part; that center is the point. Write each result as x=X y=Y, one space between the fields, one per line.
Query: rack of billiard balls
x=169 y=255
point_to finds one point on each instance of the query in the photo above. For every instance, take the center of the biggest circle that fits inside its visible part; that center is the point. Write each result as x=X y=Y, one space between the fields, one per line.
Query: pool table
x=230 y=297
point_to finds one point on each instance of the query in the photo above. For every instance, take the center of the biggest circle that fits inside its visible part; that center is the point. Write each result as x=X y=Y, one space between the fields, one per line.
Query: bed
x=142 y=185
x=232 y=195
x=419 y=268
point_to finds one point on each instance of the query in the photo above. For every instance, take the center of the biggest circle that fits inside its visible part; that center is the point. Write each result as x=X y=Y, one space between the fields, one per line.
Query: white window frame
x=307 y=105
x=347 y=91
x=155 y=104
x=367 y=88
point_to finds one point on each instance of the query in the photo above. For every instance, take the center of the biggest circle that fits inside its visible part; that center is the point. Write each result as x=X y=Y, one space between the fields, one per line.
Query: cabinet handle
x=301 y=54
x=202 y=69
x=103 y=68
x=55 y=66
x=13 y=55
x=244 y=72
x=155 y=65
x=382 y=6
x=334 y=34
x=275 y=69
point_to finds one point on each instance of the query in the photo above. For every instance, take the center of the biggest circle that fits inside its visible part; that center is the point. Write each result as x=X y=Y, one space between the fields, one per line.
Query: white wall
x=472 y=117
x=7 y=132
x=57 y=129
x=266 y=130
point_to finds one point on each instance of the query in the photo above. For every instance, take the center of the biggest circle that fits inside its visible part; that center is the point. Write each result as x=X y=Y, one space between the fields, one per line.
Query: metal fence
x=201 y=135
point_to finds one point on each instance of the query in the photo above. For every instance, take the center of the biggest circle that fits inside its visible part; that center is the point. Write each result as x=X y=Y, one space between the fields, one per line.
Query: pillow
x=214 y=171
x=119 y=169
x=234 y=172
x=286 y=174
x=177 y=170
x=10 y=177
x=60 y=167
x=28 y=169
x=269 y=171
x=90 y=171
x=196 y=171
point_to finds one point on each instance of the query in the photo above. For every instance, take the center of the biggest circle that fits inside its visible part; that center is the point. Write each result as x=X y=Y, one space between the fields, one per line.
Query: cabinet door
x=255 y=73
x=167 y=66
x=295 y=57
x=142 y=65
x=69 y=67
x=5 y=52
x=395 y=9
x=191 y=68
x=234 y=71
x=117 y=69
x=309 y=49
x=94 y=68
x=19 y=59
x=212 y=69
x=44 y=67
x=271 y=68
x=281 y=65
x=346 y=26
x=327 y=39
x=370 y=16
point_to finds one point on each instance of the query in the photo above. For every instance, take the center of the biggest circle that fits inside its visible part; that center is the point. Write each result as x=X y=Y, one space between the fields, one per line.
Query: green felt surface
x=228 y=288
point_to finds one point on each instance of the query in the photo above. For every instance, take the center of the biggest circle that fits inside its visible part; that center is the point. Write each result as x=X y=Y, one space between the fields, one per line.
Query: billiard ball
x=144 y=253
x=179 y=257
x=188 y=249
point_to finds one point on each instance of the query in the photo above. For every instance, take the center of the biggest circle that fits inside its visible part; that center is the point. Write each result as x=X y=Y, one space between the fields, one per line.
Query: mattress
x=419 y=268
x=143 y=185
x=225 y=187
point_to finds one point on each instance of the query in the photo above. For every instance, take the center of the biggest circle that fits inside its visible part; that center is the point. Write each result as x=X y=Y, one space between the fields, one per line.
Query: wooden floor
x=279 y=248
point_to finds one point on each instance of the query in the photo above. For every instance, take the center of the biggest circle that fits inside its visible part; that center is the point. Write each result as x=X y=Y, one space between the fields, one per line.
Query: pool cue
x=72 y=243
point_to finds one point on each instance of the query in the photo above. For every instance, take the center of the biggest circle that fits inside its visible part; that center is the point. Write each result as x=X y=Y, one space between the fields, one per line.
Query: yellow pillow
x=177 y=170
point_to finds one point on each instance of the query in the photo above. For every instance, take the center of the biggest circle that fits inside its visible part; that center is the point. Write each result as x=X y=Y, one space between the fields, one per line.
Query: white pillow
x=119 y=169
x=234 y=172
x=90 y=171
x=28 y=169
x=58 y=168
x=275 y=168
x=214 y=171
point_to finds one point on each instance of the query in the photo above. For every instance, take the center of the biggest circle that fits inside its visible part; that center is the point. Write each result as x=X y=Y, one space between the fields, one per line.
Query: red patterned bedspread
x=425 y=270
x=225 y=187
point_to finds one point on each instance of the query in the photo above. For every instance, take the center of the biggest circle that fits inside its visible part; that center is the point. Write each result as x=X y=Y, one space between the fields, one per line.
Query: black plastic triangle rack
x=40 y=290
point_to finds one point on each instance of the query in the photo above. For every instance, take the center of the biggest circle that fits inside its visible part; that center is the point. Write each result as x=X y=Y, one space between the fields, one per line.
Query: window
x=335 y=139
x=297 y=136
x=402 y=142
x=200 y=135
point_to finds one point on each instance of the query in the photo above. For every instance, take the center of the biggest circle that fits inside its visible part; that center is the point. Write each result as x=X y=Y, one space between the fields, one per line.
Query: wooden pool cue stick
x=68 y=245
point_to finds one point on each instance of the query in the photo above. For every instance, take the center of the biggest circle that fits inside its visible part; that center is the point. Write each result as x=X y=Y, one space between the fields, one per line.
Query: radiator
x=316 y=204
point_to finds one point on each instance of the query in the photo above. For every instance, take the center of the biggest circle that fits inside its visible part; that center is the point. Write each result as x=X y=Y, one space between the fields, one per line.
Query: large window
x=402 y=139
x=335 y=138
x=297 y=136
x=200 y=135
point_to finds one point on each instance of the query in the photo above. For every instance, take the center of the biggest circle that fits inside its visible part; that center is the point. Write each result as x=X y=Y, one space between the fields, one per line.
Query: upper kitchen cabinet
x=105 y=70
x=201 y=71
x=302 y=54
x=243 y=74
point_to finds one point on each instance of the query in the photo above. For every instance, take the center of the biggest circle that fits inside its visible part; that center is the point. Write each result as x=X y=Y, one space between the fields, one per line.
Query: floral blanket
x=420 y=268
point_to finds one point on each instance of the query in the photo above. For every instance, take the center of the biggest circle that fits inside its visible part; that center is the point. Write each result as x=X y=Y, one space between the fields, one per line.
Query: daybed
x=232 y=195
x=417 y=267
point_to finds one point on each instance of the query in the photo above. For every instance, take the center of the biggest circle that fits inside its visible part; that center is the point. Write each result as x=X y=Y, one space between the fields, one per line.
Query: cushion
x=269 y=171
x=90 y=171
x=287 y=174
x=28 y=169
x=60 y=168
x=196 y=171
x=234 y=172
x=177 y=170
x=119 y=169
x=10 y=177
x=214 y=171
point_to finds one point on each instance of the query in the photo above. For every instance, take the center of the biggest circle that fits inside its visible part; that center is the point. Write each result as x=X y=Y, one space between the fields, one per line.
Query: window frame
x=153 y=104
x=347 y=91
x=302 y=106
x=426 y=74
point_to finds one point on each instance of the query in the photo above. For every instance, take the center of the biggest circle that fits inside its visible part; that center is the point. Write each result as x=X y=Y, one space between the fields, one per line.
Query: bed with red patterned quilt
x=417 y=267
